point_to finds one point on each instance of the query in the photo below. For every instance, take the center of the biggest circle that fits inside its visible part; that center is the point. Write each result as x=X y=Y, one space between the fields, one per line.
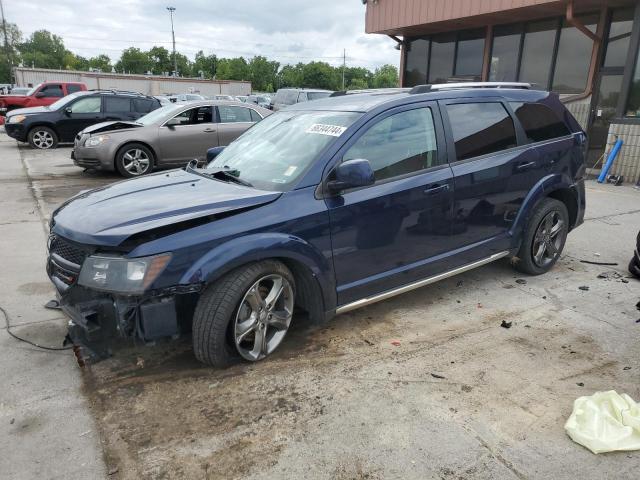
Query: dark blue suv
x=324 y=207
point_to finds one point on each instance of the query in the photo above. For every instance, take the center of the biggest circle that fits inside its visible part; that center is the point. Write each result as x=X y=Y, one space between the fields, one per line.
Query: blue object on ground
x=612 y=156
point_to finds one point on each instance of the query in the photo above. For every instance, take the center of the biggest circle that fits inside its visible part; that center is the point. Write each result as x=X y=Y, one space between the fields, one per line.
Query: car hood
x=107 y=216
x=111 y=126
x=28 y=111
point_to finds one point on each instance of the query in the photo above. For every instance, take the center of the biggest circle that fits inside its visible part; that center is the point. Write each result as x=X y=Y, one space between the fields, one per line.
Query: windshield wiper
x=230 y=175
x=224 y=173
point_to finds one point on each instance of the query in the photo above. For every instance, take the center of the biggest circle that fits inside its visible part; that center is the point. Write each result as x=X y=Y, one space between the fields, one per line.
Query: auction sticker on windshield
x=333 y=130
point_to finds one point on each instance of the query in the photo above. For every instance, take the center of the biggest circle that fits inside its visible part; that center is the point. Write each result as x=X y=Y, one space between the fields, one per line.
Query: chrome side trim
x=420 y=283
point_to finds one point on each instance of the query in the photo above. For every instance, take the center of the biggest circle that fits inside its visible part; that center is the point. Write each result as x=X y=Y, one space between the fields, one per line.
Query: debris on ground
x=610 y=275
x=368 y=342
x=506 y=324
x=627 y=368
x=604 y=264
x=113 y=471
x=605 y=422
x=395 y=343
x=521 y=281
x=584 y=288
x=508 y=286
x=435 y=375
x=53 y=305
x=140 y=362
x=638 y=305
x=580 y=384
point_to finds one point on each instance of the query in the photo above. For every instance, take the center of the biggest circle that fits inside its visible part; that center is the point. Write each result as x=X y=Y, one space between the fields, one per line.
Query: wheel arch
x=49 y=125
x=131 y=142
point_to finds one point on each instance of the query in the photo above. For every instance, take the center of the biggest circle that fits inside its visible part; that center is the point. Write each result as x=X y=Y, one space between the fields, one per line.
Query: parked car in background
x=228 y=98
x=261 y=100
x=634 y=264
x=41 y=95
x=189 y=97
x=19 y=91
x=290 y=96
x=170 y=136
x=163 y=99
x=241 y=98
x=45 y=127
x=323 y=207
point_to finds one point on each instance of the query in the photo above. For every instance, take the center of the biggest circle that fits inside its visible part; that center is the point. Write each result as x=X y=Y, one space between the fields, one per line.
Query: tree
x=357 y=76
x=184 y=65
x=205 y=64
x=43 y=50
x=320 y=75
x=9 y=54
x=233 y=69
x=385 y=77
x=358 y=84
x=263 y=73
x=101 y=62
x=161 y=59
x=290 y=76
x=134 y=60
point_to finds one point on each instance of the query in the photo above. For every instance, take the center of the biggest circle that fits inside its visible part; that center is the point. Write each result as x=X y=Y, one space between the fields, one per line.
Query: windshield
x=64 y=100
x=158 y=114
x=317 y=95
x=277 y=151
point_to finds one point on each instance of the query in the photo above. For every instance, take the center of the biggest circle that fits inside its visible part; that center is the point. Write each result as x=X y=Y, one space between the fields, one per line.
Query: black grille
x=66 y=250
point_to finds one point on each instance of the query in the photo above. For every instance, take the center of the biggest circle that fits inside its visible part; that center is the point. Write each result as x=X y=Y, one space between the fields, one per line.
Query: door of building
x=603 y=109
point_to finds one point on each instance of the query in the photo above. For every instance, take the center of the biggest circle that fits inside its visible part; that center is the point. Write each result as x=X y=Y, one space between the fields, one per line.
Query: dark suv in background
x=326 y=206
x=290 y=96
x=45 y=127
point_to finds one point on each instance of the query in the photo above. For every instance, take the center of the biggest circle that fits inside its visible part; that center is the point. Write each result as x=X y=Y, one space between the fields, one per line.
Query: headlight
x=95 y=141
x=17 y=118
x=122 y=275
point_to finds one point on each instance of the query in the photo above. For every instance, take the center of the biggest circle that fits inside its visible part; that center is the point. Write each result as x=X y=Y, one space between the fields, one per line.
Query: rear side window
x=539 y=122
x=234 y=114
x=73 y=88
x=398 y=145
x=143 y=105
x=480 y=129
x=117 y=104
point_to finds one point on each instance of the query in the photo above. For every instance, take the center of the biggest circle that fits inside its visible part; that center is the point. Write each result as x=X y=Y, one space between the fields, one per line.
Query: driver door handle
x=526 y=166
x=435 y=189
x=209 y=130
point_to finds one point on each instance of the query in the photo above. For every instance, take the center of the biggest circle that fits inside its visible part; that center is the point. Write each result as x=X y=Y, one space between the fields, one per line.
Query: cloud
x=288 y=31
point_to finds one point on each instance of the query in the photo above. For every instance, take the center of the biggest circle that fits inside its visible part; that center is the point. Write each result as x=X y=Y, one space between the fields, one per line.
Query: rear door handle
x=526 y=166
x=209 y=130
x=436 y=189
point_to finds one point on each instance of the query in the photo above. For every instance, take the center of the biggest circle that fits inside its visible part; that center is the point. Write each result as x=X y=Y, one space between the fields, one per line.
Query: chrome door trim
x=420 y=283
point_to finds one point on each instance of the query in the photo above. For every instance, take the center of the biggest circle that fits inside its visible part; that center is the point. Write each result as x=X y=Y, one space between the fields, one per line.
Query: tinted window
x=255 y=116
x=302 y=97
x=195 y=116
x=117 y=104
x=504 y=53
x=633 y=105
x=537 y=52
x=143 y=105
x=86 y=105
x=480 y=129
x=619 y=36
x=539 y=122
x=317 y=95
x=470 y=54
x=234 y=114
x=574 y=57
x=416 y=62
x=441 y=62
x=73 y=88
x=400 y=144
x=52 y=91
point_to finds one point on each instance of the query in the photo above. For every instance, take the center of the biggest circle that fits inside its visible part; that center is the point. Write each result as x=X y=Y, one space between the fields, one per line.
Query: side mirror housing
x=68 y=111
x=39 y=95
x=172 y=122
x=352 y=174
x=212 y=153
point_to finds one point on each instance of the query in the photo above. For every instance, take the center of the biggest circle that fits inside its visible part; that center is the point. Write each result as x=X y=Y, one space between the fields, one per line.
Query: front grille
x=66 y=250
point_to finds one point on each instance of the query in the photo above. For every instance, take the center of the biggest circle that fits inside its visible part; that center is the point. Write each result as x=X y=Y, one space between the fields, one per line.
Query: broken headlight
x=122 y=275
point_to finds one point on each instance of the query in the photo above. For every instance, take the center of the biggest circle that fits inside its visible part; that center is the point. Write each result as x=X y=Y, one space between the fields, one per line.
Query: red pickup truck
x=41 y=95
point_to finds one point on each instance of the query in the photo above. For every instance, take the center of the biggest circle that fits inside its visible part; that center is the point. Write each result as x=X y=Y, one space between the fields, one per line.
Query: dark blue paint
x=356 y=242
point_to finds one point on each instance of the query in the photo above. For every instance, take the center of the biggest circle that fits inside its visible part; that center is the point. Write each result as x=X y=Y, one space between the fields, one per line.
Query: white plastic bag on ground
x=604 y=422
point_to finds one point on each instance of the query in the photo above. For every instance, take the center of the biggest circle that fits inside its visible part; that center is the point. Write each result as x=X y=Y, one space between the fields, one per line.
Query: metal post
x=6 y=43
x=344 y=65
x=173 y=36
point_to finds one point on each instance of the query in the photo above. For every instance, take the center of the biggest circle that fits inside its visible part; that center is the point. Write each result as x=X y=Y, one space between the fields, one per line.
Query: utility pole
x=7 y=49
x=344 y=64
x=173 y=36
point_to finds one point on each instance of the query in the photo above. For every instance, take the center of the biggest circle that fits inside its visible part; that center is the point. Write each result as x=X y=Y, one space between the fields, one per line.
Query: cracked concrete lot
x=427 y=385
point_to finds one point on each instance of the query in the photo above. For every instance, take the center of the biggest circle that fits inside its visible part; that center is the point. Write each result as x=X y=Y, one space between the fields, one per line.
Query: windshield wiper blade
x=229 y=175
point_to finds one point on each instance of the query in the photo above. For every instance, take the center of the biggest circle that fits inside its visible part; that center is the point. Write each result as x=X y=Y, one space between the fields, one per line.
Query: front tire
x=544 y=237
x=634 y=267
x=42 y=138
x=134 y=160
x=244 y=315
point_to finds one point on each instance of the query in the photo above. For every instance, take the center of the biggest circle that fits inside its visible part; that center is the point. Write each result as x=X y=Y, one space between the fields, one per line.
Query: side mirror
x=352 y=174
x=172 y=122
x=212 y=153
x=40 y=95
x=68 y=111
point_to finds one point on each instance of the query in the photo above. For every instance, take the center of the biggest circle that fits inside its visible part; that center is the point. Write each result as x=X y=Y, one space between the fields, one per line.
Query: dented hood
x=109 y=215
x=110 y=126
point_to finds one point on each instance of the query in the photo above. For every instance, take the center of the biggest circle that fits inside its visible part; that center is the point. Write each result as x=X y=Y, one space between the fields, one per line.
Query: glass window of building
x=441 y=63
x=504 y=53
x=416 y=62
x=633 y=104
x=470 y=54
x=619 y=37
x=574 y=57
x=537 y=52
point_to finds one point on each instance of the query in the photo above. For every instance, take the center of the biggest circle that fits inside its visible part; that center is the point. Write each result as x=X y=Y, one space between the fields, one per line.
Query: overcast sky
x=288 y=31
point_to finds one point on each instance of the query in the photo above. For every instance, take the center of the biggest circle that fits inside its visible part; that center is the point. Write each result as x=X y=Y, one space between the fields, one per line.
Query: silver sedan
x=169 y=136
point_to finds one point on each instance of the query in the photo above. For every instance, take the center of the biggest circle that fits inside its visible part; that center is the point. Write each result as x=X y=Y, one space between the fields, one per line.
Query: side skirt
x=420 y=283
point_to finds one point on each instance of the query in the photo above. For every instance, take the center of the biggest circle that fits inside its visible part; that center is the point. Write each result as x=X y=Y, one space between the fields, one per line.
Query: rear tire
x=544 y=237
x=134 y=160
x=42 y=138
x=634 y=267
x=226 y=327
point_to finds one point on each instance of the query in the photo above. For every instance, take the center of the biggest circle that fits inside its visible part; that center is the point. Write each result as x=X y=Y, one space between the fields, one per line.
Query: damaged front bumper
x=98 y=319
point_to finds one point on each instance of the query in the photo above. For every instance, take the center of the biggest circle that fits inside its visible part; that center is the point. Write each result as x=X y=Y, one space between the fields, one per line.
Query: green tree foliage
x=161 y=59
x=44 y=50
x=9 y=54
x=233 y=69
x=101 y=62
x=263 y=73
x=134 y=60
x=358 y=84
x=385 y=77
x=205 y=64
x=290 y=76
x=320 y=75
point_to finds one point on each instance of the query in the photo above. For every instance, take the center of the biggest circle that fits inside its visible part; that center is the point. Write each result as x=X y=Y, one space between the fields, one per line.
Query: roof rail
x=341 y=93
x=111 y=90
x=462 y=85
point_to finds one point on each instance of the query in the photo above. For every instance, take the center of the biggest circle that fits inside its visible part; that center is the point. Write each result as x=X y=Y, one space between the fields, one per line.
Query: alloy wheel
x=42 y=139
x=548 y=239
x=136 y=161
x=263 y=317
